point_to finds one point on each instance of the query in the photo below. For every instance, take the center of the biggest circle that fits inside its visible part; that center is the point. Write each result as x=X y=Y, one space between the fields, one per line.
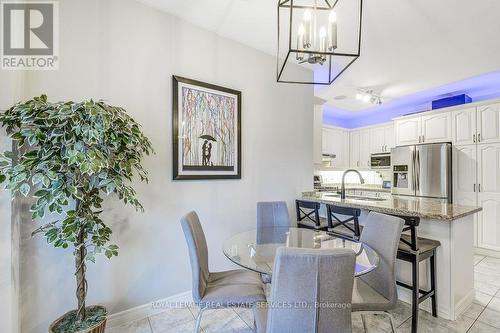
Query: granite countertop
x=406 y=206
x=358 y=187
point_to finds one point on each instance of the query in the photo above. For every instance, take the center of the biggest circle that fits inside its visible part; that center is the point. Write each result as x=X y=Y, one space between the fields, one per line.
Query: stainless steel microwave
x=380 y=161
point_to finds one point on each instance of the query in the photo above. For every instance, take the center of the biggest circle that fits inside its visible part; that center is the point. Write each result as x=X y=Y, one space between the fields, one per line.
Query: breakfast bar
x=450 y=224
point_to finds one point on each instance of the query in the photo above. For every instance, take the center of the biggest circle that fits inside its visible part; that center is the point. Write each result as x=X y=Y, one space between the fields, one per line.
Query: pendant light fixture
x=317 y=39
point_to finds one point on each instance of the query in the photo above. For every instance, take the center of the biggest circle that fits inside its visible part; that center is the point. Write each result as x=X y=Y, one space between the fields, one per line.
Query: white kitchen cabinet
x=488 y=123
x=408 y=131
x=436 y=128
x=390 y=141
x=377 y=139
x=489 y=196
x=364 y=149
x=424 y=129
x=465 y=179
x=326 y=147
x=336 y=141
x=464 y=127
x=354 y=147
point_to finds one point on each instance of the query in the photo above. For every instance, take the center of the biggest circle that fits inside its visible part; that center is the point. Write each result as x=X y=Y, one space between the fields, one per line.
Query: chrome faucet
x=342 y=189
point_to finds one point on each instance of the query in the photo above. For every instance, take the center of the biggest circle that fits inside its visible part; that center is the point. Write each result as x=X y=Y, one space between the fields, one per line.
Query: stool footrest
x=425 y=293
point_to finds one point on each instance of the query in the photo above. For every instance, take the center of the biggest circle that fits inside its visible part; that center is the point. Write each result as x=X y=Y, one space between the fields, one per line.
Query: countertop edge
x=395 y=211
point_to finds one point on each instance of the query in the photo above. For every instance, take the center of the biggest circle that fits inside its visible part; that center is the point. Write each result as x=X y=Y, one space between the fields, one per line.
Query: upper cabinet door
x=377 y=140
x=464 y=170
x=354 y=149
x=364 y=149
x=488 y=121
x=408 y=131
x=464 y=127
x=488 y=156
x=436 y=128
x=390 y=140
x=325 y=136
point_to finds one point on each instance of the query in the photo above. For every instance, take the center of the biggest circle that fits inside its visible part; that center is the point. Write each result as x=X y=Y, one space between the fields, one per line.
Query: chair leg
x=433 y=283
x=363 y=320
x=415 y=295
x=198 y=320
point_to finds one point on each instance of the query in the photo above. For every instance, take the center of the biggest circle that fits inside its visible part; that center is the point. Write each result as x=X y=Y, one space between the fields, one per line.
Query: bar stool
x=308 y=215
x=414 y=250
x=348 y=228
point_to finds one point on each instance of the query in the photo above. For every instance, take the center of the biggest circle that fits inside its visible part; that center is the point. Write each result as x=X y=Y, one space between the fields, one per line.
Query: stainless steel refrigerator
x=422 y=171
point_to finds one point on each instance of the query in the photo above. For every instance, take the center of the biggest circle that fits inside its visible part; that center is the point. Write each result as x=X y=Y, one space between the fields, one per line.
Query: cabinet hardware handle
x=474 y=138
x=479 y=187
x=357 y=163
x=419 y=138
x=479 y=137
x=423 y=138
x=474 y=188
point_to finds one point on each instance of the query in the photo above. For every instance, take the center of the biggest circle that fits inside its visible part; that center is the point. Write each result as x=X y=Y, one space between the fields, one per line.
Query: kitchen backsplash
x=371 y=177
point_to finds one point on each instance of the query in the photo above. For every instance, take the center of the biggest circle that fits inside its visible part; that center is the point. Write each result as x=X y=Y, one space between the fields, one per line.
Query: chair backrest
x=308 y=210
x=334 y=221
x=382 y=233
x=198 y=254
x=272 y=214
x=311 y=291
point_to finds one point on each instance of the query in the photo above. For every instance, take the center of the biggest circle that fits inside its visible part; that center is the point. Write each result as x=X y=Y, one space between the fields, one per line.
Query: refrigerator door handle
x=413 y=170
x=417 y=171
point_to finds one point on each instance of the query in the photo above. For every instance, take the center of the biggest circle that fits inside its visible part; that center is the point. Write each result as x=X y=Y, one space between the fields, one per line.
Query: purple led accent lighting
x=479 y=88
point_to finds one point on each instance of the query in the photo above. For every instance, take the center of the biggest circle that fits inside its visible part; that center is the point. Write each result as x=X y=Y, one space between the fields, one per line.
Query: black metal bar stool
x=348 y=228
x=308 y=215
x=414 y=249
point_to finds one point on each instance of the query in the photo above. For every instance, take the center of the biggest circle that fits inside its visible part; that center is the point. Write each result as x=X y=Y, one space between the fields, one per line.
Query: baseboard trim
x=149 y=309
x=464 y=303
x=487 y=252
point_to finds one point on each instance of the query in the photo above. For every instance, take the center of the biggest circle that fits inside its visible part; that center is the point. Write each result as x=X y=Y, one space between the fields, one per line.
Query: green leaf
x=2 y=178
x=24 y=189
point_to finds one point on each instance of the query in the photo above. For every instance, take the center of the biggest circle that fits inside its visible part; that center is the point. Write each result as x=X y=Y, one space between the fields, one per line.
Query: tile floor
x=482 y=316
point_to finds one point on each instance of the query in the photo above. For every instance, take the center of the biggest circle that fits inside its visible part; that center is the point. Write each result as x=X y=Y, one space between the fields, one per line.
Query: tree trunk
x=81 y=281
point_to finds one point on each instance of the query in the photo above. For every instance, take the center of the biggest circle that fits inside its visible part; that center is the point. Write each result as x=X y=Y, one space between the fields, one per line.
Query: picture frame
x=206 y=129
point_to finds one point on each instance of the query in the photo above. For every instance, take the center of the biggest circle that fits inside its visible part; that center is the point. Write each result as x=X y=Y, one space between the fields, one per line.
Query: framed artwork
x=206 y=131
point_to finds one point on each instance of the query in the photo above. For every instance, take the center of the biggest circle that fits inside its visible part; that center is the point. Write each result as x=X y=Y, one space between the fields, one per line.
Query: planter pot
x=98 y=327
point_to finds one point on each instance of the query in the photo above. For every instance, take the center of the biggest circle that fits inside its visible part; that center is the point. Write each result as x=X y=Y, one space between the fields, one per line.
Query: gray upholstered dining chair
x=235 y=288
x=272 y=214
x=311 y=292
x=376 y=291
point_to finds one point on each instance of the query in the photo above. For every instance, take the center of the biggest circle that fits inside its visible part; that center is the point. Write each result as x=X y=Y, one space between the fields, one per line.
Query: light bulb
x=322 y=32
x=301 y=30
x=366 y=98
x=359 y=96
x=333 y=17
x=307 y=15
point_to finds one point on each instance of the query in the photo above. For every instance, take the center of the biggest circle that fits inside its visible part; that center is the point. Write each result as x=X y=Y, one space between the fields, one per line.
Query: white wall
x=11 y=89
x=126 y=53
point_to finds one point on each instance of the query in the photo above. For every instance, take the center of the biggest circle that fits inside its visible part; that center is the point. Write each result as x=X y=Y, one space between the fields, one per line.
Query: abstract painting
x=206 y=131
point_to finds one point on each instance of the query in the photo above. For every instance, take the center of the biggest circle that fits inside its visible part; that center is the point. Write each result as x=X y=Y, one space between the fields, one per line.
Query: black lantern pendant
x=317 y=39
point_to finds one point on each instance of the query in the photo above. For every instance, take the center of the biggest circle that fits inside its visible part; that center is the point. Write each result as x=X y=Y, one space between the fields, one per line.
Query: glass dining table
x=256 y=249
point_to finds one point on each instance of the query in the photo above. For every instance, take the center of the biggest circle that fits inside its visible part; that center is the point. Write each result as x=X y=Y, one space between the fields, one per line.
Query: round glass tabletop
x=256 y=249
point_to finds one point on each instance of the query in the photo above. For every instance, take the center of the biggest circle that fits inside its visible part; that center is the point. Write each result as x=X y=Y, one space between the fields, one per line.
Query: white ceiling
x=407 y=45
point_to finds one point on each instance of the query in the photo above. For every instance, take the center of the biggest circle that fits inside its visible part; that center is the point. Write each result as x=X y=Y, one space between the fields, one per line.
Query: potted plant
x=69 y=156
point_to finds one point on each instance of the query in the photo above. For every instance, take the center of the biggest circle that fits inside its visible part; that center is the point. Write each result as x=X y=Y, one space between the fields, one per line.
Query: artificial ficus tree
x=71 y=155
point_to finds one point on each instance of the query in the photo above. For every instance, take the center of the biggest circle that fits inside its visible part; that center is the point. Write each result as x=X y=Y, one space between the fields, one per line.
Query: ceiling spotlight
x=368 y=96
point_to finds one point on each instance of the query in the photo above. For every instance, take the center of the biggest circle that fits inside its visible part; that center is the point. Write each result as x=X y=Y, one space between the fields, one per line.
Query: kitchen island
x=451 y=224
